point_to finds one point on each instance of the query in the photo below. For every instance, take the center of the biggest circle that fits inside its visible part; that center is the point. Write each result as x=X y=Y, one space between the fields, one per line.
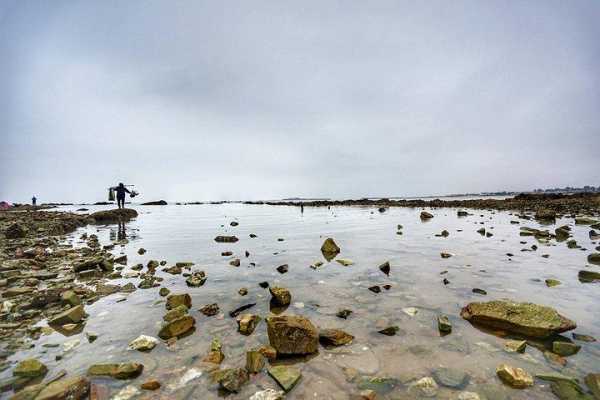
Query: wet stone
x=280 y=296
x=117 y=371
x=247 y=323
x=231 y=379
x=444 y=325
x=175 y=300
x=565 y=349
x=210 y=309
x=177 y=327
x=290 y=334
x=255 y=361
x=515 y=346
x=334 y=337
x=451 y=377
x=30 y=368
x=286 y=377
x=514 y=377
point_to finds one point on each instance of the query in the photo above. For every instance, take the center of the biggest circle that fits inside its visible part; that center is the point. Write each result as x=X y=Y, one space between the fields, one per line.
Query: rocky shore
x=557 y=203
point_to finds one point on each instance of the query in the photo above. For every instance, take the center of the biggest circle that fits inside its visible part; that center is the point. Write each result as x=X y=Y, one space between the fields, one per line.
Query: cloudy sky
x=197 y=100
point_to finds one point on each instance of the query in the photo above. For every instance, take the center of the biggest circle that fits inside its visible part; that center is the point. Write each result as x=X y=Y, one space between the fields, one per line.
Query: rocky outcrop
x=114 y=216
x=523 y=318
x=291 y=334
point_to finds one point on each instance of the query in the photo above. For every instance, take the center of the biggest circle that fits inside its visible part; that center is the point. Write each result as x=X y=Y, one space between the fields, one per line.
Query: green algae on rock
x=524 y=318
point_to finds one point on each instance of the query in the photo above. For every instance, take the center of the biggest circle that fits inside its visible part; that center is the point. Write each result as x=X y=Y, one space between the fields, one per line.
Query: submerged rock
x=267 y=394
x=177 y=327
x=566 y=390
x=565 y=349
x=210 y=309
x=286 y=377
x=514 y=377
x=291 y=334
x=117 y=371
x=593 y=382
x=451 y=377
x=588 y=276
x=334 y=337
x=231 y=379
x=73 y=315
x=525 y=318
x=197 y=279
x=425 y=387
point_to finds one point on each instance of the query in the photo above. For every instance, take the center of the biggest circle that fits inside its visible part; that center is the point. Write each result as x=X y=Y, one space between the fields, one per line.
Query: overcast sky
x=196 y=100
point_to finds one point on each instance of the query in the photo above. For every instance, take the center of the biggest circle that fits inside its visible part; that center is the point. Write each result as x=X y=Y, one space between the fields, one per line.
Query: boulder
x=524 y=318
x=177 y=327
x=291 y=334
x=114 y=216
x=175 y=313
x=117 y=371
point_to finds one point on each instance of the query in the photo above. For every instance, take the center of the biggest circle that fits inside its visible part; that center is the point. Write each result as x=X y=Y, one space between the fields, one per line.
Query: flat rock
x=451 y=377
x=30 y=368
x=117 y=371
x=524 y=318
x=334 y=337
x=114 y=216
x=143 y=343
x=514 y=377
x=177 y=327
x=73 y=315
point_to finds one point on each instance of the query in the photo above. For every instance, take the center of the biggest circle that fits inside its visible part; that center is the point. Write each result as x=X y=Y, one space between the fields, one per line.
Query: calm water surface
x=367 y=237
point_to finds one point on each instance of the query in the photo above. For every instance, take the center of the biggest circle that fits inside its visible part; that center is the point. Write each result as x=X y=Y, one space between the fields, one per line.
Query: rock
x=451 y=377
x=73 y=315
x=515 y=346
x=17 y=291
x=385 y=268
x=243 y=291
x=584 y=338
x=117 y=371
x=555 y=358
x=444 y=324
x=552 y=282
x=226 y=239
x=425 y=215
x=30 y=368
x=344 y=262
x=594 y=258
x=334 y=337
x=72 y=388
x=255 y=361
x=588 y=276
x=143 y=343
x=69 y=297
x=282 y=269
x=468 y=396
x=268 y=394
x=177 y=327
x=565 y=390
x=155 y=203
x=290 y=334
x=565 y=349
x=329 y=249
x=375 y=289
x=235 y=263
x=215 y=355
x=368 y=394
x=286 y=377
x=210 y=309
x=514 y=377
x=524 y=318
x=163 y=292
x=462 y=213
x=141 y=251
x=544 y=214
x=15 y=231
x=280 y=296
x=389 y=331
x=555 y=377
x=425 y=387
x=197 y=279
x=268 y=351
x=247 y=323
x=585 y=221
x=445 y=255
x=593 y=383
x=231 y=379
x=175 y=300
x=114 y=216
x=152 y=384
x=344 y=314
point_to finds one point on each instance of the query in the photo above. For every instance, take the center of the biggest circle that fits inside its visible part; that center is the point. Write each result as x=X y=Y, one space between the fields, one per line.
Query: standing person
x=33 y=200
x=121 y=190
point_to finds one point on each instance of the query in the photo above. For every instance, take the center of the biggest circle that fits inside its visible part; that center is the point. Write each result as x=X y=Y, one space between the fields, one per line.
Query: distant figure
x=33 y=201
x=121 y=190
x=301 y=208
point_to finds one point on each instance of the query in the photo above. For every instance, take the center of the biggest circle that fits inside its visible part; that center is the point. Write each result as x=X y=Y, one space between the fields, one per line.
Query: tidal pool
x=368 y=238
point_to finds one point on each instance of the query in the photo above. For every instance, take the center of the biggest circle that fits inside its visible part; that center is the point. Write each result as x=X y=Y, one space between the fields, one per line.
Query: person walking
x=121 y=190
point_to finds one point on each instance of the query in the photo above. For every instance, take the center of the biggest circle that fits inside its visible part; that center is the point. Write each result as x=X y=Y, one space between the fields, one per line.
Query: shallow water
x=367 y=237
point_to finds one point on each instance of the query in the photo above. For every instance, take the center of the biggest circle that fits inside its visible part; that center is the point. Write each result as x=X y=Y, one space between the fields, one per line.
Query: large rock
x=114 y=216
x=290 y=334
x=71 y=388
x=280 y=296
x=175 y=300
x=524 y=318
x=593 y=383
x=177 y=327
x=329 y=249
x=30 y=368
x=117 y=371
x=514 y=377
x=594 y=258
x=73 y=315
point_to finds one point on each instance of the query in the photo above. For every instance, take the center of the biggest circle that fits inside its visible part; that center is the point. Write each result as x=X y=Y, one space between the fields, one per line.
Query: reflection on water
x=418 y=294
